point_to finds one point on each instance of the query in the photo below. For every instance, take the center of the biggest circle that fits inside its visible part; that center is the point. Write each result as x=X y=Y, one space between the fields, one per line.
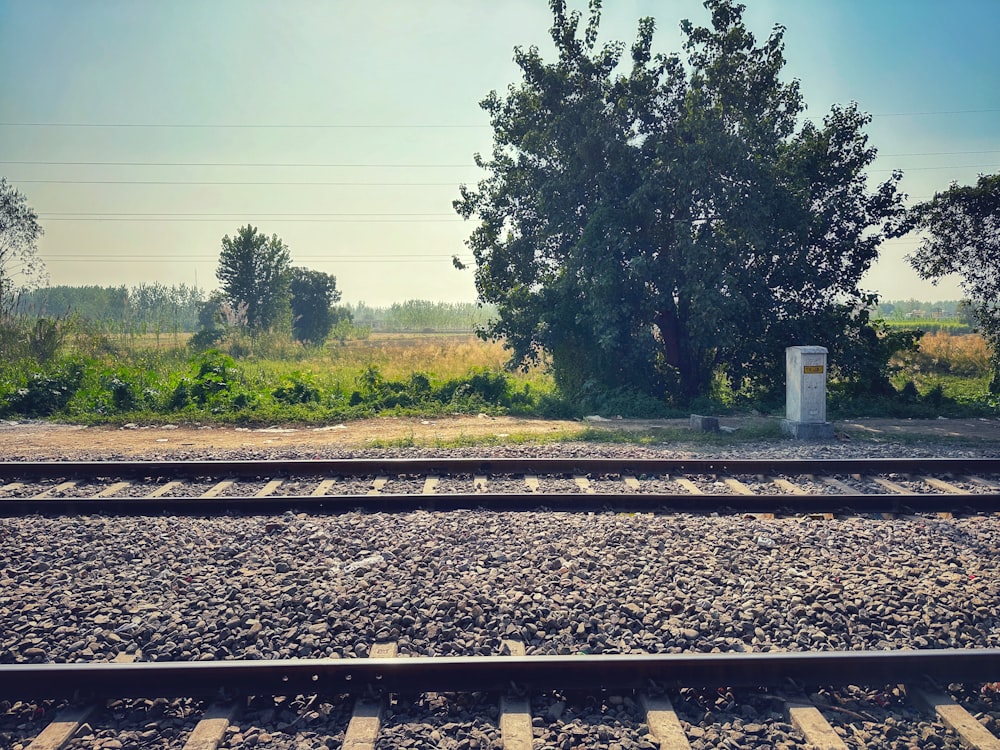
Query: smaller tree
x=313 y=294
x=962 y=227
x=254 y=272
x=20 y=264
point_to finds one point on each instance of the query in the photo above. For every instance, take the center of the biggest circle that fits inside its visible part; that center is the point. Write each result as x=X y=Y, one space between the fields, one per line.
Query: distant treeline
x=953 y=316
x=421 y=315
x=174 y=309
x=916 y=310
x=147 y=307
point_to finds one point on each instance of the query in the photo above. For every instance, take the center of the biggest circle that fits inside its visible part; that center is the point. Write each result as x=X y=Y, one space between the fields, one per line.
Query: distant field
x=930 y=324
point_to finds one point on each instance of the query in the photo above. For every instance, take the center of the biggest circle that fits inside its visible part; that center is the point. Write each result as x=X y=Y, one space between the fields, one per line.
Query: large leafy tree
x=313 y=295
x=962 y=236
x=20 y=265
x=254 y=273
x=649 y=223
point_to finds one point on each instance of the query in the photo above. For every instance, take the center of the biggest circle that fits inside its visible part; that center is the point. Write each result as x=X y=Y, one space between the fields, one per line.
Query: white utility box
x=805 y=393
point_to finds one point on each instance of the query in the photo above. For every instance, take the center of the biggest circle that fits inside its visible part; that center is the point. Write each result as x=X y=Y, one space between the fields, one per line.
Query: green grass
x=929 y=325
x=95 y=380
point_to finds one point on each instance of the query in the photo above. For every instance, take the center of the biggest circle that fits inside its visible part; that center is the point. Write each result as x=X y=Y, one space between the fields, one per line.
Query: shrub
x=297 y=388
x=947 y=354
x=45 y=393
x=214 y=382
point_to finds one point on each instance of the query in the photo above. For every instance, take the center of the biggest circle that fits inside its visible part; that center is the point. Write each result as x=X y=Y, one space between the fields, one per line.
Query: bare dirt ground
x=24 y=440
x=75 y=441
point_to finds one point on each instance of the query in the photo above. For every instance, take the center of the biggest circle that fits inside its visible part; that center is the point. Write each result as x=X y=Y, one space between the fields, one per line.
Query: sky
x=142 y=132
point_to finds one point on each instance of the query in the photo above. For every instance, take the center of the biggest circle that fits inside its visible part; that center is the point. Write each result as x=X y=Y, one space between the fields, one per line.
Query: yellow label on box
x=812 y=369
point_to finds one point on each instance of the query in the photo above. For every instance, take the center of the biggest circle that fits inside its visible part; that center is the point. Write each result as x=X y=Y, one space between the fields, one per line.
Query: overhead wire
x=370 y=125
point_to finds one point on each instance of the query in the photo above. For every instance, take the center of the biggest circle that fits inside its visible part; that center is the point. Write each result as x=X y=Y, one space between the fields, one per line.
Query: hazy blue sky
x=396 y=85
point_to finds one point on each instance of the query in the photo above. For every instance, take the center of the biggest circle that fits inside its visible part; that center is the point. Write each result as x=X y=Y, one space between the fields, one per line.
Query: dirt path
x=28 y=440
x=73 y=441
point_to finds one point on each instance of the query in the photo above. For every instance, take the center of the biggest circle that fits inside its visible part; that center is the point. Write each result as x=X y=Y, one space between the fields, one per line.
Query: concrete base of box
x=807 y=430
x=705 y=424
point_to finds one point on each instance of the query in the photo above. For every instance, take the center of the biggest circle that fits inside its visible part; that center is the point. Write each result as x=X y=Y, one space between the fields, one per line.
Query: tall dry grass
x=397 y=357
x=439 y=356
x=951 y=354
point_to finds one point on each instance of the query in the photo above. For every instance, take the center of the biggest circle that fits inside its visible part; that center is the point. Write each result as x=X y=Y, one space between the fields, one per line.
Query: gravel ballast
x=296 y=585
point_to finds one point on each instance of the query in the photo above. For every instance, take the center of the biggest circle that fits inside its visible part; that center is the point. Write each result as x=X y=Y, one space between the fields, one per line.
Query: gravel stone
x=295 y=585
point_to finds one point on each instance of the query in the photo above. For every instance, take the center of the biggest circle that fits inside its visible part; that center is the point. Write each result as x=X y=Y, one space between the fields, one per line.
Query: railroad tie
x=218 y=489
x=972 y=734
x=68 y=721
x=62 y=728
x=515 y=712
x=808 y=719
x=58 y=489
x=790 y=487
x=164 y=489
x=323 y=487
x=794 y=489
x=741 y=489
x=982 y=482
x=690 y=486
x=362 y=731
x=663 y=723
x=378 y=484
x=888 y=484
x=211 y=730
x=269 y=488
x=113 y=489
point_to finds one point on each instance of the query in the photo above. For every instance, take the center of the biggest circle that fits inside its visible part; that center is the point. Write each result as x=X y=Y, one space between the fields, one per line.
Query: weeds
x=67 y=370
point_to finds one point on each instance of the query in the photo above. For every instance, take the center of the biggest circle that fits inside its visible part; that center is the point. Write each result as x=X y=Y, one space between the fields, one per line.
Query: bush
x=44 y=393
x=214 y=382
x=297 y=388
x=948 y=354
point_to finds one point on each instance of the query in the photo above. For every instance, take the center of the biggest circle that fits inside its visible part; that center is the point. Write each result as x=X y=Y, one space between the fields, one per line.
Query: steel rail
x=463 y=674
x=848 y=504
x=371 y=466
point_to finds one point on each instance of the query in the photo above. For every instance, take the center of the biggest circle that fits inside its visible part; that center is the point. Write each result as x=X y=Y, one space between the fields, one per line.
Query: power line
x=936 y=112
x=947 y=166
x=245 y=126
x=208 y=182
x=339 y=165
x=230 y=164
x=173 y=258
x=368 y=125
x=256 y=218
x=225 y=214
x=939 y=153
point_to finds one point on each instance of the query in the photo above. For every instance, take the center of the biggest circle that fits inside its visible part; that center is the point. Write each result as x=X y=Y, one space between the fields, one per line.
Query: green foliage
x=421 y=316
x=20 y=265
x=254 y=273
x=207 y=338
x=929 y=325
x=961 y=236
x=38 y=340
x=214 y=383
x=313 y=294
x=154 y=308
x=297 y=388
x=42 y=392
x=647 y=228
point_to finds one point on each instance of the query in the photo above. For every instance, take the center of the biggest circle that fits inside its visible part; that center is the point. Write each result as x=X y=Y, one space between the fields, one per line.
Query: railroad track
x=688 y=485
x=687 y=699
x=508 y=692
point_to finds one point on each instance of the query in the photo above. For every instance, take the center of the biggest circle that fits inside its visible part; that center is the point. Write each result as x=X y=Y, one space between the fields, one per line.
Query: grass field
x=150 y=378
